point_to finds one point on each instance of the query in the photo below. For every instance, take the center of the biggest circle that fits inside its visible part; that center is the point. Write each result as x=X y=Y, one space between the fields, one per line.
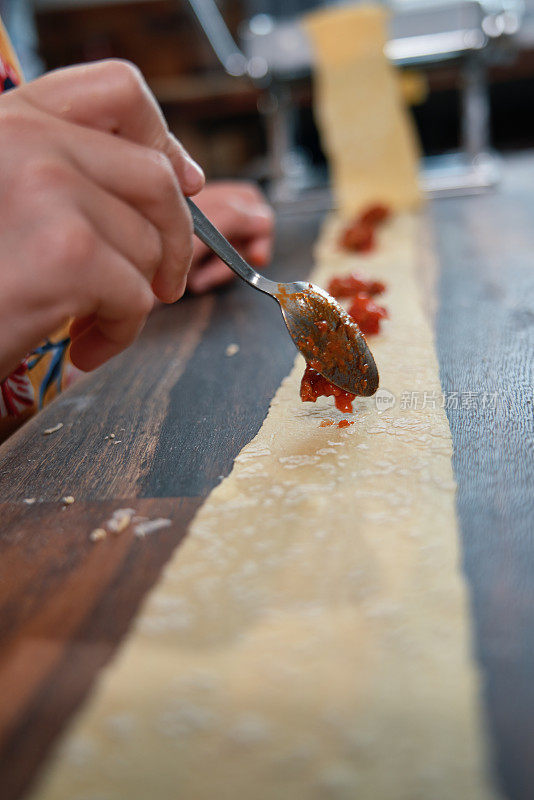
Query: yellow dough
x=365 y=129
x=310 y=638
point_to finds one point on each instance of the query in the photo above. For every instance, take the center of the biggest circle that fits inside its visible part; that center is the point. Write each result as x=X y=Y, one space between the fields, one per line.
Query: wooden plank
x=485 y=334
x=120 y=399
x=65 y=604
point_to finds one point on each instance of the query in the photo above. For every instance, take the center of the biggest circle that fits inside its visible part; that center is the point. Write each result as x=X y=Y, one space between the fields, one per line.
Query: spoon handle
x=208 y=233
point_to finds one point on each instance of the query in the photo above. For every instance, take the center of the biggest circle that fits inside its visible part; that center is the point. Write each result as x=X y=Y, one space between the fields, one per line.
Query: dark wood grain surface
x=485 y=330
x=181 y=410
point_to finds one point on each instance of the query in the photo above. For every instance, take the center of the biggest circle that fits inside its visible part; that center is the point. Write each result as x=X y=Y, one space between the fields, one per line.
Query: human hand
x=94 y=224
x=241 y=213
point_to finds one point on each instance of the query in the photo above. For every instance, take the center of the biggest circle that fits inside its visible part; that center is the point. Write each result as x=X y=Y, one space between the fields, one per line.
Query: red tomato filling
x=314 y=385
x=374 y=215
x=349 y=285
x=366 y=313
x=359 y=235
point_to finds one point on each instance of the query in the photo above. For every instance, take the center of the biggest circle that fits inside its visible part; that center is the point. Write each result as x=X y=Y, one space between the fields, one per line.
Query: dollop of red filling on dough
x=348 y=285
x=366 y=313
x=359 y=235
x=375 y=214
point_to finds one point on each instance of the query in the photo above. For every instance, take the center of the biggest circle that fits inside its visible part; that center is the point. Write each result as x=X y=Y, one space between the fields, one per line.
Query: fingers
x=102 y=339
x=247 y=190
x=80 y=325
x=212 y=272
x=239 y=222
x=122 y=302
x=209 y=275
x=92 y=220
x=113 y=97
x=242 y=215
x=260 y=251
x=144 y=180
x=123 y=228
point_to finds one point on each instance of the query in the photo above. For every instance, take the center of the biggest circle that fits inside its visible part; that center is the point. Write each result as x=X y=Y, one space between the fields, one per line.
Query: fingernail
x=263 y=213
x=260 y=259
x=194 y=174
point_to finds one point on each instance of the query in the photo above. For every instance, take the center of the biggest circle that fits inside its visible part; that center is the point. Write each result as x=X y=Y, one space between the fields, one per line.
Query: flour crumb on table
x=97 y=535
x=123 y=518
x=120 y=519
x=231 y=350
x=48 y=431
x=144 y=528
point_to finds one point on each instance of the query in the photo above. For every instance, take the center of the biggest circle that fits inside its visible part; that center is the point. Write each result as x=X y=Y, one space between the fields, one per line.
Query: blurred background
x=234 y=77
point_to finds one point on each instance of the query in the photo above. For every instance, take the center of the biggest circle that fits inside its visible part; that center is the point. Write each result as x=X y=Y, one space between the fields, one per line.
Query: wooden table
x=181 y=410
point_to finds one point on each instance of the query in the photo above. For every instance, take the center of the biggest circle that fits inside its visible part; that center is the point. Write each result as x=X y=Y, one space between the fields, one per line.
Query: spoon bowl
x=328 y=338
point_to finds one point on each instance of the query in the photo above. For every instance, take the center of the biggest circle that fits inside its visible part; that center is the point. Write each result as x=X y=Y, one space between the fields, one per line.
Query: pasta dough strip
x=365 y=130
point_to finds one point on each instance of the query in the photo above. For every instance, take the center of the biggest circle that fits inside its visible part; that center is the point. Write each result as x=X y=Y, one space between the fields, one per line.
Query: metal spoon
x=325 y=334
